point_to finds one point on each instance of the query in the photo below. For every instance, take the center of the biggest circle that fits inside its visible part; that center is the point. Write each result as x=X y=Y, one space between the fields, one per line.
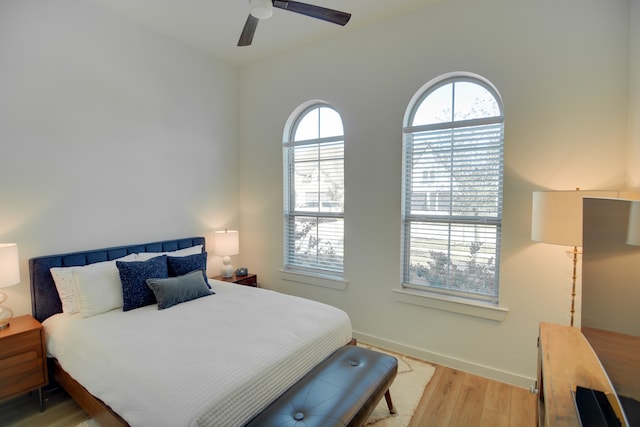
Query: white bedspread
x=214 y=361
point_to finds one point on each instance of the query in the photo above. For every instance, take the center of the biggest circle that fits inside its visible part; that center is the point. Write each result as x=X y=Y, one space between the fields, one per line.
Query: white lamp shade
x=633 y=229
x=556 y=216
x=261 y=9
x=226 y=243
x=9 y=265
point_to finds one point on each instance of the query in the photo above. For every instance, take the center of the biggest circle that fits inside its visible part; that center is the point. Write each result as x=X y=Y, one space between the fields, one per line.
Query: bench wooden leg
x=387 y=397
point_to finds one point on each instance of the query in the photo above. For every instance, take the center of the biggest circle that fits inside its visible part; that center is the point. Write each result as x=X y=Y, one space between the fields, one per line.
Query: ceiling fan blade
x=318 y=12
x=248 y=31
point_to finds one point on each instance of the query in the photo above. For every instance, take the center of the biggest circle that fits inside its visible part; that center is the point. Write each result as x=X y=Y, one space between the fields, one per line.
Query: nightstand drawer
x=12 y=362
x=20 y=343
x=249 y=281
x=22 y=371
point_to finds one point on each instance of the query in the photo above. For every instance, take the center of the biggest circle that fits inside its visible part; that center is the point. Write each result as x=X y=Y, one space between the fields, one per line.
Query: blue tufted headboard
x=45 y=301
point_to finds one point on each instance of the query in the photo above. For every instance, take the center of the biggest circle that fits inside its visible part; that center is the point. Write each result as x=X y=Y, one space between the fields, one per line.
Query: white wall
x=109 y=134
x=562 y=70
x=634 y=95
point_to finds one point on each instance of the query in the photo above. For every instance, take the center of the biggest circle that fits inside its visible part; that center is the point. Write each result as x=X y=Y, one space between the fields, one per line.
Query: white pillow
x=65 y=284
x=63 y=278
x=145 y=256
x=98 y=289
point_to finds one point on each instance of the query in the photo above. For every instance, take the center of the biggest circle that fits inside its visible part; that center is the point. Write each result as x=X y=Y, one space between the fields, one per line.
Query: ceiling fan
x=263 y=9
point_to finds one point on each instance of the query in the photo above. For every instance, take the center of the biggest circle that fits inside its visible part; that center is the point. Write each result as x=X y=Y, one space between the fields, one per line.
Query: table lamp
x=225 y=244
x=9 y=276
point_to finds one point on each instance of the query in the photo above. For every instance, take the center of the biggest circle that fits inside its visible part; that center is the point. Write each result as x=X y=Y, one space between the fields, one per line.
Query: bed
x=214 y=360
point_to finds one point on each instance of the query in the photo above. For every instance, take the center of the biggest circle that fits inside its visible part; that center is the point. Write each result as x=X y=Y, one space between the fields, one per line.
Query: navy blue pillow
x=179 y=266
x=134 y=275
x=176 y=290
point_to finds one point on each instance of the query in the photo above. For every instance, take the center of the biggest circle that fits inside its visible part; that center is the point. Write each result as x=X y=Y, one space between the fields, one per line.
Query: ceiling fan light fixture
x=261 y=9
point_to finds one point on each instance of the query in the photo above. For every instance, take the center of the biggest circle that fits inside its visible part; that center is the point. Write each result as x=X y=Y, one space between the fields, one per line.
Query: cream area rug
x=88 y=423
x=406 y=392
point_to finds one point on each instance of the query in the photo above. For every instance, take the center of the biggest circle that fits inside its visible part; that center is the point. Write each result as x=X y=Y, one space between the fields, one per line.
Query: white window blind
x=314 y=192
x=452 y=192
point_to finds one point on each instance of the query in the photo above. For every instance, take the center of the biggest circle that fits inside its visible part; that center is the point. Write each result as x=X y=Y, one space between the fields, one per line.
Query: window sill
x=315 y=279
x=452 y=304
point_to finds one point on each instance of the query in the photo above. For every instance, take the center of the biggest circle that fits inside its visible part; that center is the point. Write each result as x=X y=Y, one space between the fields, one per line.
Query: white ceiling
x=214 y=26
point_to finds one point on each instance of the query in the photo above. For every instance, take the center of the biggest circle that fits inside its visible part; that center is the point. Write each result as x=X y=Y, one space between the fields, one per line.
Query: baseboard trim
x=448 y=361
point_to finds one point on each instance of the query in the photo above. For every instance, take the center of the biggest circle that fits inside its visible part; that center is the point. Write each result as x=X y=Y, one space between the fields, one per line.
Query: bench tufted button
x=299 y=416
x=354 y=363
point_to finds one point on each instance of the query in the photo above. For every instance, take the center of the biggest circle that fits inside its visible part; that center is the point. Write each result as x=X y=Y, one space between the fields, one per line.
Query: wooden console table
x=565 y=360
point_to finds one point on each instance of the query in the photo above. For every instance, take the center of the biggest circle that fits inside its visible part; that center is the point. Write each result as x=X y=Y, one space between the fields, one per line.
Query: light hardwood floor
x=451 y=399
x=458 y=399
x=60 y=411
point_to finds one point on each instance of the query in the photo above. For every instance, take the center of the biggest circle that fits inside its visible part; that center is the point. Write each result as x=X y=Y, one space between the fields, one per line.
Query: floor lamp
x=556 y=218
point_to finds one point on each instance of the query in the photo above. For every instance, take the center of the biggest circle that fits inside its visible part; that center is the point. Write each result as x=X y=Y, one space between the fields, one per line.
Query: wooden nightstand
x=23 y=362
x=248 y=280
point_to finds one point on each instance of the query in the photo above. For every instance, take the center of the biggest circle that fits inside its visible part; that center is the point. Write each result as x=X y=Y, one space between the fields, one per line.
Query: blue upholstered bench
x=342 y=390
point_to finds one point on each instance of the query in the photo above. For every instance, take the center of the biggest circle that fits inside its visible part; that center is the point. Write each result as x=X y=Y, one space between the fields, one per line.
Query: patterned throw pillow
x=179 y=266
x=134 y=275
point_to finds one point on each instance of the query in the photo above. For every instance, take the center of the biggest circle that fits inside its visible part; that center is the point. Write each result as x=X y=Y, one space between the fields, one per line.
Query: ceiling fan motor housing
x=261 y=9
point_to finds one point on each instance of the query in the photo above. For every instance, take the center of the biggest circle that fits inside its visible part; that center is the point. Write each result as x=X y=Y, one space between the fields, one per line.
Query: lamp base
x=574 y=254
x=227 y=268
x=227 y=271
x=5 y=317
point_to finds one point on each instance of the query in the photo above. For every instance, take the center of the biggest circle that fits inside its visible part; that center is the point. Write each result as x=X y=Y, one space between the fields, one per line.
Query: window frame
x=410 y=291
x=314 y=272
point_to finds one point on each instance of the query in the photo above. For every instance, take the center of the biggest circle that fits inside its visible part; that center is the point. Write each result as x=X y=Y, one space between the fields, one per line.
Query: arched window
x=452 y=188
x=314 y=190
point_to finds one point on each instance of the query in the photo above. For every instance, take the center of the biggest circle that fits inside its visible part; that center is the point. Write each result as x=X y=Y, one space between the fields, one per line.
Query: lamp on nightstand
x=225 y=244
x=9 y=276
